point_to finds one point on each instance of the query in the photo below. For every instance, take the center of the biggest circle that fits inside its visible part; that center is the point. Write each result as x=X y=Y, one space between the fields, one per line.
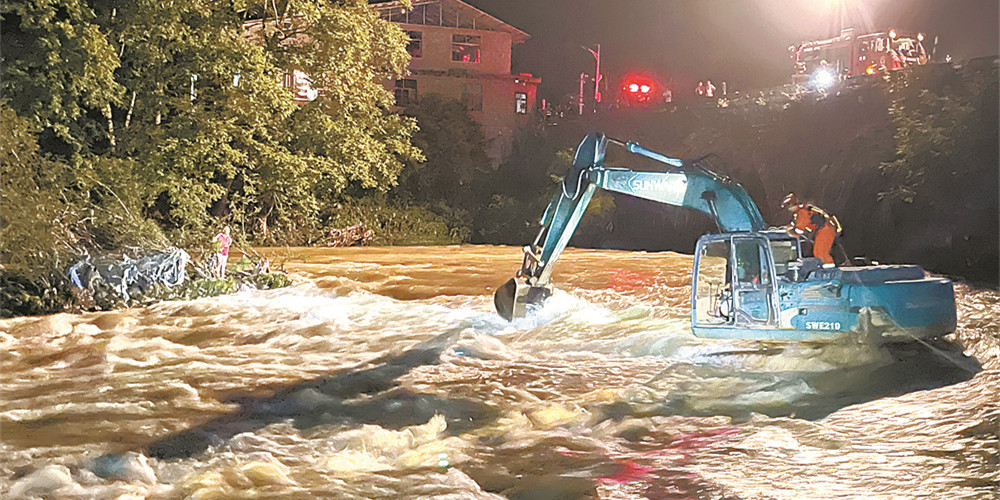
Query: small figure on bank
x=709 y=89
x=700 y=89
x=263 y=266
x=814 y=223
x=261 y=226
x=222 y=255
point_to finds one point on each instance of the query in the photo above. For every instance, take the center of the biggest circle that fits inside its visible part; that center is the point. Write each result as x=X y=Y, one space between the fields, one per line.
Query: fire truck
x=823 y=62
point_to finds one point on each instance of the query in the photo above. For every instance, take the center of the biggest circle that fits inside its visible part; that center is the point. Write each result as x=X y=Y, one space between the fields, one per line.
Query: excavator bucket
x=513 y=298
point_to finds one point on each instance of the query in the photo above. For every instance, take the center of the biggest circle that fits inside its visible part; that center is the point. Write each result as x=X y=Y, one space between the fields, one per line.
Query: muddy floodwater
x=385 y=373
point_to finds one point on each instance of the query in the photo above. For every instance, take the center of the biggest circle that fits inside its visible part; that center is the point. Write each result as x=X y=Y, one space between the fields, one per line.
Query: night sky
x=742 y=42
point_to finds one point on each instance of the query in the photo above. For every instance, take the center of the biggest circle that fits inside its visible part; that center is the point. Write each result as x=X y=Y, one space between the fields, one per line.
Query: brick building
x=461 y=52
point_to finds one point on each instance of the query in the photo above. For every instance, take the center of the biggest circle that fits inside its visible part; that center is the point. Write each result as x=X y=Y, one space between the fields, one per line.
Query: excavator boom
x=682 y=185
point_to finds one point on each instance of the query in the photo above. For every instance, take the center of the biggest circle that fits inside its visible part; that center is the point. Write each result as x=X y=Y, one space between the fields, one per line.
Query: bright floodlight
x=824 y=78
x=633 y=87
x=644 y=88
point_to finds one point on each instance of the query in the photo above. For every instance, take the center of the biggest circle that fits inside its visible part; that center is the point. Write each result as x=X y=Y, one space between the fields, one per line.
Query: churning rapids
x=385 y=373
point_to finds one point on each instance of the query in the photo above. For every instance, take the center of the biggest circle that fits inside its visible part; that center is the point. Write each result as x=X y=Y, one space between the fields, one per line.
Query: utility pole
x=597 y=72
x=583 y=81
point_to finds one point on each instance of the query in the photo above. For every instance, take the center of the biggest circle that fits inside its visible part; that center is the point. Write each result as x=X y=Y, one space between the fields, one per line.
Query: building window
x=465 y=48
x=301 y=85
x=520 y=103
x=472 y=96
x=405 y=91
x=414 y=46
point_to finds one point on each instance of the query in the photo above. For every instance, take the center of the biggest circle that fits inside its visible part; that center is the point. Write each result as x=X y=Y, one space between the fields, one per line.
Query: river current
x=385 y=373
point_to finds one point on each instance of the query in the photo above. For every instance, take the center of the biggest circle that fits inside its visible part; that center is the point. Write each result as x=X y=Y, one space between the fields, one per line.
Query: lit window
x=472 y=96
x=520 y=103
x=405 y=92
x=414 y=46
x=301 y=85
x=465 y=48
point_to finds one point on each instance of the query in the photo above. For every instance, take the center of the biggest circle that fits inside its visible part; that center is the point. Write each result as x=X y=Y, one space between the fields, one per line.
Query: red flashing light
x=638 y=84
x=639 y=89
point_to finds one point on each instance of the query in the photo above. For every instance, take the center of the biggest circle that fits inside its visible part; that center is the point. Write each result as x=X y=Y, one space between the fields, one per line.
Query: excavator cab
x=733 y=283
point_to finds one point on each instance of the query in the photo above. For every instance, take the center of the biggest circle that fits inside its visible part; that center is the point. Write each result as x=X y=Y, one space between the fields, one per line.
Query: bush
x=399 y=224
x=24 y=296
x=271 y=280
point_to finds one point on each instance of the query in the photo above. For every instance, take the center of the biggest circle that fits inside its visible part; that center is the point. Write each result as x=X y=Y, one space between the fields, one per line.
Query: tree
x=173 y=110
x=58 y=70
x=349 y=135
x=455 y=155
x=515 y=195
x=46 y=220
x=38 y=221
x=941 y=196
x=929 y=128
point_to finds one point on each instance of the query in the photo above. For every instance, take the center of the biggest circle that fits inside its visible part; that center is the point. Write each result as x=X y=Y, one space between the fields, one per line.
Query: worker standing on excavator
x=814 y=223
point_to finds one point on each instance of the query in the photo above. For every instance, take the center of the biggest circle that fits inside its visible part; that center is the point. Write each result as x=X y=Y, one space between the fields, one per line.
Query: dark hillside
x=910 y=166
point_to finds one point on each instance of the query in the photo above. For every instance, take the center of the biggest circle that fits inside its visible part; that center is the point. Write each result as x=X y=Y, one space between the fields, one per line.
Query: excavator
x=749 y=281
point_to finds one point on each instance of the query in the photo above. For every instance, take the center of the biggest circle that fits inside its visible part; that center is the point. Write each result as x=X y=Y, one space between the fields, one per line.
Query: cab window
x=785 y=252
x=752 y=288
x=751 y=264
x=713 y=300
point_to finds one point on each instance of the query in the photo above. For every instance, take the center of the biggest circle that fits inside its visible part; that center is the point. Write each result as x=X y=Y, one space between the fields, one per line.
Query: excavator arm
x=683 y=185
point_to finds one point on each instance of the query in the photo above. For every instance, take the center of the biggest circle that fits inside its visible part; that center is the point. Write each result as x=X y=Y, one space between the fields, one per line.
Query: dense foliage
x=908 y=165
x=939 y=120
x=514 y=196
x=118 y=114
x=455 y=154
x=941 y=191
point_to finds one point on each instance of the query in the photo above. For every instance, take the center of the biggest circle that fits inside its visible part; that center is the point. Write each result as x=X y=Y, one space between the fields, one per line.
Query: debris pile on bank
x=126 y=276
x=113 y=281
x=358 y=234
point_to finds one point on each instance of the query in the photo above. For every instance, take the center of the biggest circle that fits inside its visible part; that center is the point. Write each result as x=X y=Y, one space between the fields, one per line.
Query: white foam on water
x=483 y=346
x=159 y=370
x=47 y=482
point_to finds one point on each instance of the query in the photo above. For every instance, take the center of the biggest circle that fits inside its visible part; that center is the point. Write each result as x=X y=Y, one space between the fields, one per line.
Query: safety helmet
x=790 y=200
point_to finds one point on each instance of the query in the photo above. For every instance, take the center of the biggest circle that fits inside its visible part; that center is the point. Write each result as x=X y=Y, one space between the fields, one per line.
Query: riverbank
x=54 y=291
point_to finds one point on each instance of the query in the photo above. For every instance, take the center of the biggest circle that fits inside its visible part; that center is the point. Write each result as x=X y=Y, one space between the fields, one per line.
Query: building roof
x=449 y=13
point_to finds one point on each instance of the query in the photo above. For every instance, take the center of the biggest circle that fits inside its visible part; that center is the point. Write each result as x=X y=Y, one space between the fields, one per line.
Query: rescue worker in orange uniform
x=813 y=222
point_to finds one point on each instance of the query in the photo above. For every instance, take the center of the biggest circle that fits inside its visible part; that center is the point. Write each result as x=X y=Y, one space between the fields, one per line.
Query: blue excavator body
x=748 y=281
x=757 y=285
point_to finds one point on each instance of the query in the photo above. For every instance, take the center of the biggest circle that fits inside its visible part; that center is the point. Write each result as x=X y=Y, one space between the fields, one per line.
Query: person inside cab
x=748 y=265
x=815 y=224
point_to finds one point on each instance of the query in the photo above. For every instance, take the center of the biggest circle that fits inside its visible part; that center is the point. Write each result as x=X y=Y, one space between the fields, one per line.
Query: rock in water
x=130 y=466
